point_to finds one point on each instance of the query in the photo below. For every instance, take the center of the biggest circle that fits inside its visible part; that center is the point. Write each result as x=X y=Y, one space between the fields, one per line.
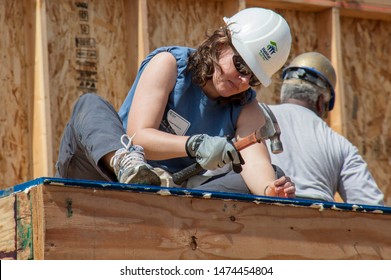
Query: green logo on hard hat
x=267 y=52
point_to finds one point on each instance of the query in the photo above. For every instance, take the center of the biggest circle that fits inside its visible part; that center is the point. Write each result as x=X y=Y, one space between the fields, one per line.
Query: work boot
x=130 y=166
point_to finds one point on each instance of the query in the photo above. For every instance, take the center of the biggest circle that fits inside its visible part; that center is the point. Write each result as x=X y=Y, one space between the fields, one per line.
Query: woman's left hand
x=282 y=187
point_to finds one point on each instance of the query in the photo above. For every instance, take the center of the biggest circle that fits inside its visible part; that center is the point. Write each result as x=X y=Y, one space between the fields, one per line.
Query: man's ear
x=322 y=108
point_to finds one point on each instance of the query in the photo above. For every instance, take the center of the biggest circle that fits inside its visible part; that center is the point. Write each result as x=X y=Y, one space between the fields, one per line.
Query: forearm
x=257 y=171
x=160 y=145
x=356 y=183
x=258 y=176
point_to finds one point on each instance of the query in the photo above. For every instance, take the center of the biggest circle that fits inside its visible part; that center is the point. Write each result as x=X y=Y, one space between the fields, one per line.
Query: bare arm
x=145 y=115
x=258 y=172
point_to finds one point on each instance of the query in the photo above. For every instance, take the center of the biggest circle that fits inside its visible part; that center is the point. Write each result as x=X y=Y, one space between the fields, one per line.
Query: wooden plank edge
x=164 y=191
x=24 y=241
x=366 y=12
x=299 y=5
x=38 y=222
x=347 y=8
x=8 y=245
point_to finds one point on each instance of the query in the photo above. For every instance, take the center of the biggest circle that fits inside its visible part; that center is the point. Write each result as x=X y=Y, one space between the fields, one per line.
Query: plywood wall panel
x=380 y=169
x=367 y=68
x=88 y=52
x=303 y=27
x=183 y=22
x=14 y=101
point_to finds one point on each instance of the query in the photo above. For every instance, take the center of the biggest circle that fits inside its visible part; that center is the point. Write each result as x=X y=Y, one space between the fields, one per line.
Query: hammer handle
x=187 y=172
x=192 y=170
x=246 y=141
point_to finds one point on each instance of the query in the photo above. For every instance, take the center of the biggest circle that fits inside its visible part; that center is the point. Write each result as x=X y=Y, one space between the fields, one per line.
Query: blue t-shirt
x=188 y=111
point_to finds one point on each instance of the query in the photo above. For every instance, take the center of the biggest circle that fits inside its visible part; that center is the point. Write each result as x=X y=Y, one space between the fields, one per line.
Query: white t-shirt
x=320 y=161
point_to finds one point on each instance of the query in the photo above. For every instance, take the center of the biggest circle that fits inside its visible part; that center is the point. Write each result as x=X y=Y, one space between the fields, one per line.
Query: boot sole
x=145 y=176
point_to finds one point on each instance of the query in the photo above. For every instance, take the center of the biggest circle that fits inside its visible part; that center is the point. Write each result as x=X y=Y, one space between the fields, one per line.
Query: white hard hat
x=262 y=38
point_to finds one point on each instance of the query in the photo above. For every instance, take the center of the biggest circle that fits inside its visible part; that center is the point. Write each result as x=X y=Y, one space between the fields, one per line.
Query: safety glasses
x=244 y=70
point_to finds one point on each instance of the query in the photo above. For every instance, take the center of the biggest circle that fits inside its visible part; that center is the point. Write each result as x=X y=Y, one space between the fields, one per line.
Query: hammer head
x=271 y=130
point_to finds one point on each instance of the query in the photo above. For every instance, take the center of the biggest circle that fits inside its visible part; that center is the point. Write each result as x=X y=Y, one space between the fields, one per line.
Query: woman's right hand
x=212 y=152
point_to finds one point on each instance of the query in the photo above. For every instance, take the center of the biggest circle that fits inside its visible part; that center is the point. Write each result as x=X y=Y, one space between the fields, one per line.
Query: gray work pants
x=93 y=131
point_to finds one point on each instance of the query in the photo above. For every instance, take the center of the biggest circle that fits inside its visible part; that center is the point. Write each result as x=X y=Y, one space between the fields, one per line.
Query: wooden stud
x=132 y=20
x=143 y=40
x=337 y=116
x=42 y=132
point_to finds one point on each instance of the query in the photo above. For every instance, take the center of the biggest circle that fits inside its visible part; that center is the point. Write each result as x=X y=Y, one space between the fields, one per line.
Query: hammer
x=270 y=130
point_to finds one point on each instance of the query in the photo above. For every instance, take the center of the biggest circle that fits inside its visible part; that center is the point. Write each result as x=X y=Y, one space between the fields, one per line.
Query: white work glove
x=213 y=152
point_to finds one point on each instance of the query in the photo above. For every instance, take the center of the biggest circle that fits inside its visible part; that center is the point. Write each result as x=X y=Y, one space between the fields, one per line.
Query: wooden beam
x=131 y=18
x=143 y=39
x=29 y=26
x=80 y=219
x=300 y=5
x=371 y=9
x=42 y=130
x=337 y=115
x=104 y=224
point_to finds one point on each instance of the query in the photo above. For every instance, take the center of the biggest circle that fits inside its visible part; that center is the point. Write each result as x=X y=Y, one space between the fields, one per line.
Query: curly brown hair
x=204 y=60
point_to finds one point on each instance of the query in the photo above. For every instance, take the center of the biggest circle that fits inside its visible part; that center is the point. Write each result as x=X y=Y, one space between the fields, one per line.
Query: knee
x=87 y=101
x=88 y=97
x=83 y=104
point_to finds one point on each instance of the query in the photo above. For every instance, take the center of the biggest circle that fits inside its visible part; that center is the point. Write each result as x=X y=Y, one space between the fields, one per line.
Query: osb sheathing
x=14 y=101
x=304 y=39
x=183 y=22
x=366 y=58
x=88 y=52
x=365 y=49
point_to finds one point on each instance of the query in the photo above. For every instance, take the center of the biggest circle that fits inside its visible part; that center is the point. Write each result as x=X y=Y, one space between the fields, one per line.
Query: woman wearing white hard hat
x=185 y=107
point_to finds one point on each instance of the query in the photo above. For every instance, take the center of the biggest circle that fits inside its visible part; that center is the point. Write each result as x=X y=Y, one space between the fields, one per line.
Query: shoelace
x=130 y=140
x=124 y=155
x=136 y=153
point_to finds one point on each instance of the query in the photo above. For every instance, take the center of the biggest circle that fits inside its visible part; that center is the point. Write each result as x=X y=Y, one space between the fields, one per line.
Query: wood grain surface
x=103 y=224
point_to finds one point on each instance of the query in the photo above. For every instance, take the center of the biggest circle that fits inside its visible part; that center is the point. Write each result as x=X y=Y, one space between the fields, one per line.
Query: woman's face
x=228 y=81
